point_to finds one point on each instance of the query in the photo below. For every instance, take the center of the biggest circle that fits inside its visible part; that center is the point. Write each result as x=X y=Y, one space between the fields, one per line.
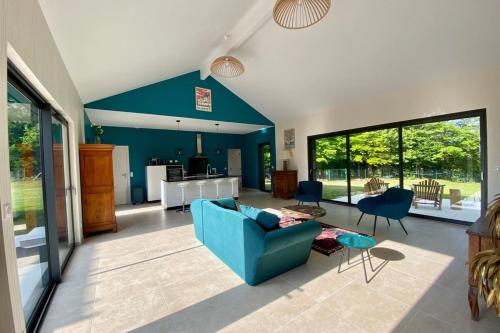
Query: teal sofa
x=241 y=243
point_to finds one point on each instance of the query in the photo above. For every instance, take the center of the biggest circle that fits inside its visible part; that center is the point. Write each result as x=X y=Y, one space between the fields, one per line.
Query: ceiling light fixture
x=298 y=14
x=227 y=66
x=217 y=150
x=179 y=151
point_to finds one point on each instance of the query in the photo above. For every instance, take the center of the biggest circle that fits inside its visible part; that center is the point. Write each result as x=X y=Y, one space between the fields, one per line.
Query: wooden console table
x=479 y=240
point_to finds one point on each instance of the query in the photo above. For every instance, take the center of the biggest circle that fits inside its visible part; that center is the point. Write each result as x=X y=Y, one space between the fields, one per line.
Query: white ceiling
x=365 y=48
x=362 y=48
x=111 y=46
x=141 y=120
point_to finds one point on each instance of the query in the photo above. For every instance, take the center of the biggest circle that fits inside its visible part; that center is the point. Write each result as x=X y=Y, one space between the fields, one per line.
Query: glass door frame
x=262 y=175
x=479 y=113
x=64 y=122
x=18 y=81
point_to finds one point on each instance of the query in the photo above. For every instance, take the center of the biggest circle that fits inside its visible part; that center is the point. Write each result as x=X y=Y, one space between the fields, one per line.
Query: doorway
x=234 y=162
x=121 y=175
x=265 y=183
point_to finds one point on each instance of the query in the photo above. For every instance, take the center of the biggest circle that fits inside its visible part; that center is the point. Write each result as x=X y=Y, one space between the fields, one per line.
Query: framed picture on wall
x=289 y=138
x=203 y=97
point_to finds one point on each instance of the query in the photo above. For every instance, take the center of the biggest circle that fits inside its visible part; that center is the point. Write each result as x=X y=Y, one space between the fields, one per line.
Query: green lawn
x=27 y=198
x=337 y=188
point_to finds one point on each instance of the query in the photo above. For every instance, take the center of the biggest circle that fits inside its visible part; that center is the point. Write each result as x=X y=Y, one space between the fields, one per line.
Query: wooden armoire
x=285 y=183
x=98 y=196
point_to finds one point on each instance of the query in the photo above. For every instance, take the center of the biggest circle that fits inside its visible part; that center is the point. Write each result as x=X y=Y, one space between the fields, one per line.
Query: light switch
x=131 y=174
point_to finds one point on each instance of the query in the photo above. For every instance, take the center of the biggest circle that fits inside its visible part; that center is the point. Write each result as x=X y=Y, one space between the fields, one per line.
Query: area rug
x=326 y=242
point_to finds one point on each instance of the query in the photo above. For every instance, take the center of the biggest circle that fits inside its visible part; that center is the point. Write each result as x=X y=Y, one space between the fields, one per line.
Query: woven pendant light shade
x=298 y=14
x=227 y=66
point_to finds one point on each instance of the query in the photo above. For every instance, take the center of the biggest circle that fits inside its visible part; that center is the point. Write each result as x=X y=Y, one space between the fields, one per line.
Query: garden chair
x=428 y=192
x=375 y=186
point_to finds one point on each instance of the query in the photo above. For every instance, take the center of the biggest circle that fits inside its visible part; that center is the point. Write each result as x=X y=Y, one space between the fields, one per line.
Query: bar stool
x=217 y=182
x=232 y=181
x=201 y=183
x=182 y=186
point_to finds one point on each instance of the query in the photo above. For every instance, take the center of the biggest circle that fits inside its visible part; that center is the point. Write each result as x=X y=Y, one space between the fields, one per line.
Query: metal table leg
x=341 y=259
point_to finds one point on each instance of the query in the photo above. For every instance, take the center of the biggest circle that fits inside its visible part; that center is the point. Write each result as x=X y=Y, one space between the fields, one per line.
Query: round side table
x=360 y=242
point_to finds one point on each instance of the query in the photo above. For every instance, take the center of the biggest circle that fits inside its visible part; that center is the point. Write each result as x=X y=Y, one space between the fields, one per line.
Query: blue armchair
x=309 y=191
x=393 y=204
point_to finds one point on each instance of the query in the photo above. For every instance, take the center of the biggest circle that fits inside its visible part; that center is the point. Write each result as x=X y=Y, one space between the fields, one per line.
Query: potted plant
x=98 y=132
x=485 y=266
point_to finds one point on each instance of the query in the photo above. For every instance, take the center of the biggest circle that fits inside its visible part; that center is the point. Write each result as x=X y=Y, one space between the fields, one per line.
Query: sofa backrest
x=233 y=237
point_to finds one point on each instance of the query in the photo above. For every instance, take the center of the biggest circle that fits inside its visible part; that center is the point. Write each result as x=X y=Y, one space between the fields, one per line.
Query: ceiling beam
x=248 y=25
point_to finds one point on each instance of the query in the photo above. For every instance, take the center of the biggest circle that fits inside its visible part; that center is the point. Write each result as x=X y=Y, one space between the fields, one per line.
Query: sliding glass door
x=62 y=187
x=441 y=159
x=442 y=165
x=374 y=154
x=41 y=195
x=265 y=169
x=330 y=167
x=27 y=182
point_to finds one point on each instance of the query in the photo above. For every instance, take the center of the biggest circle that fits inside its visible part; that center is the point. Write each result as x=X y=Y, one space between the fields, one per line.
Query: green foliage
x=24 y=145
x=449 y=148
x=98 y=130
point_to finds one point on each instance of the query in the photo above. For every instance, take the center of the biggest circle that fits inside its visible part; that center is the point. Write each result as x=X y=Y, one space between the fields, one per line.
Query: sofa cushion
x=266 y=220
x=227 y=203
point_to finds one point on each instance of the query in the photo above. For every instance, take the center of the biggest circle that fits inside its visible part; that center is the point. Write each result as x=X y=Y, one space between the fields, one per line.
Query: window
x=41 y=194
x=442 y=159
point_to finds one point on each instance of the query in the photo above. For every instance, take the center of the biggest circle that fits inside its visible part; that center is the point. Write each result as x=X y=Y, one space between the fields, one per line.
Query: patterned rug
x=326 y=242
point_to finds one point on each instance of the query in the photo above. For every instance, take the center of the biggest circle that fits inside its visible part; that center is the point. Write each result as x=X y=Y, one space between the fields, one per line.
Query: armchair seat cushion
x=306 y=197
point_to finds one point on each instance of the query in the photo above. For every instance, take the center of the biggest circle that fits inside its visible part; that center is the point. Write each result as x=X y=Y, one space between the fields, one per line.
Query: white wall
x=464 y=92
x=26 y=40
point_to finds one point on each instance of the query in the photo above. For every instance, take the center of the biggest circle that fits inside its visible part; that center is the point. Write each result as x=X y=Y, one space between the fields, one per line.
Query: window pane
x=28 y=201
x=447 y=155
x=330 y=166
x=374 y=162
x=64 y=214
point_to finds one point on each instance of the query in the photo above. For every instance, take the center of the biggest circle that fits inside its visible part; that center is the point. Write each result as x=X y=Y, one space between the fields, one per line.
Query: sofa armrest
x=281 y=238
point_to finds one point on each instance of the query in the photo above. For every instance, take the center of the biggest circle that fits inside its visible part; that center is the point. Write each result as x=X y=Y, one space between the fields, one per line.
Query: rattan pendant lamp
x=227 y=66
x=298 y=14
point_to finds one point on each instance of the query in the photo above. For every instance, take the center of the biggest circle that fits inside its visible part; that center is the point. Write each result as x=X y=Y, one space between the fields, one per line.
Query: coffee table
x=360 y=242
x=303 y=212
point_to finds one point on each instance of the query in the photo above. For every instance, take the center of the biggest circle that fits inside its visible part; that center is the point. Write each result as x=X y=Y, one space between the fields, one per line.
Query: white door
x=121 y=175
x=234 y=162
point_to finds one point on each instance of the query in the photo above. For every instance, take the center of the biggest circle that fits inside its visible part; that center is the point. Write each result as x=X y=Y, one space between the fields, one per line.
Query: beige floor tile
x=318 y=319
x=369 y=309
x=421 y=322
x=129 y=314
x=155 y=276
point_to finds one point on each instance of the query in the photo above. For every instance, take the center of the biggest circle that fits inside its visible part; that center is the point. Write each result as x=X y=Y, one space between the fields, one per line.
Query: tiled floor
x=154 y=276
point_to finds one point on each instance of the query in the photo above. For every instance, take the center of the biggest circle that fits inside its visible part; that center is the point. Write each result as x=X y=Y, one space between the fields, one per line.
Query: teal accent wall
x=152 y=143
x=176 y=97
x=250 y=155
x=89 y=135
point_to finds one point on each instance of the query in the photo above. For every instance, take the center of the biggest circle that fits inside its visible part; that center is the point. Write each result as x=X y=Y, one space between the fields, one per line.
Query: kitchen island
x=171 y=195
